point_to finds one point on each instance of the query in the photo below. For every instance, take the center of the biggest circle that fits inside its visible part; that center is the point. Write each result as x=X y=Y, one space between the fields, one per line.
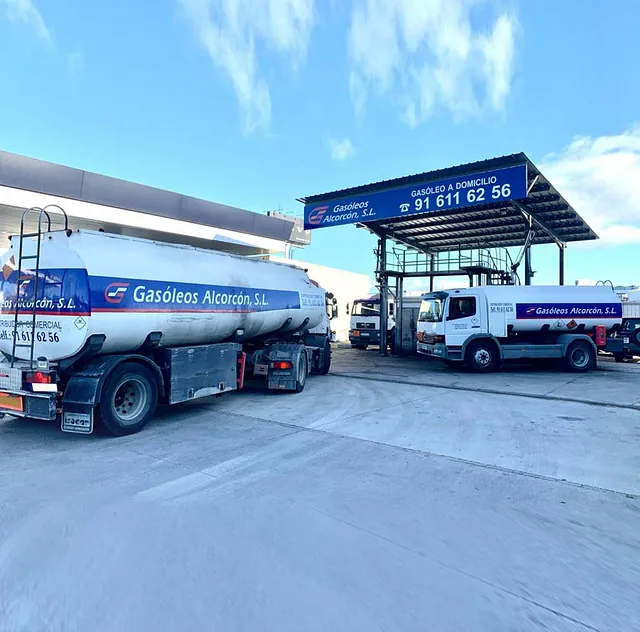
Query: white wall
x=346 y=286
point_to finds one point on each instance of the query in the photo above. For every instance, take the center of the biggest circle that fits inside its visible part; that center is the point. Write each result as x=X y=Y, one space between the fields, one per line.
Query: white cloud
x=425 y=55
x=341 y=148
x=600 y=178
x=25 y=12
x=230 y=31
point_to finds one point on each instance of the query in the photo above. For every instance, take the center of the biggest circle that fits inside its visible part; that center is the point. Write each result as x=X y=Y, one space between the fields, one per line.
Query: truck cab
x=364 y=325
x=446 y=323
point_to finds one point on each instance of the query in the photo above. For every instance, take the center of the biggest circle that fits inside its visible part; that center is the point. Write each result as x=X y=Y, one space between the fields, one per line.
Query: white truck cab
x=364 y=325
x=482 y=327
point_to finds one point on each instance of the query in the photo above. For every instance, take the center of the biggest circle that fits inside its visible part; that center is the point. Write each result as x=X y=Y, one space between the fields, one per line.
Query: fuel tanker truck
x=97 y=328
x=483 y=326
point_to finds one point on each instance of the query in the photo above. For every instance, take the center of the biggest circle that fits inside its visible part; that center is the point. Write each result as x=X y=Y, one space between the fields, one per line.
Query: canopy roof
x=501 y=223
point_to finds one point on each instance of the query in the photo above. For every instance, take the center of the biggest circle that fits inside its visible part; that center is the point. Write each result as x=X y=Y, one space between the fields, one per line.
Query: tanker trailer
x=98 y=328
x=483 y=326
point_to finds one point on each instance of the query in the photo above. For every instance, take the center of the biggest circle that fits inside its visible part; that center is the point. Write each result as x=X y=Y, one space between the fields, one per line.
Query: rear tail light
x=282 y=366
x=38 y=377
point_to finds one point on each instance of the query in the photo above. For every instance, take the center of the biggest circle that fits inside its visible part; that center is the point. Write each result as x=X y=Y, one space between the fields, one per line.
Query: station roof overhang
x=503 y=223
x=94 y=201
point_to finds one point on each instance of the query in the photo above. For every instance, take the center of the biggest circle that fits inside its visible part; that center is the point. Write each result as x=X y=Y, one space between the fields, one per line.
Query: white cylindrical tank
x=126 y=288
x=529 y=308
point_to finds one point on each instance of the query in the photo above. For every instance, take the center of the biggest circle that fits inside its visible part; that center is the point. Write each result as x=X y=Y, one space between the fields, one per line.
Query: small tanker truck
x=98 y=328
x=483 y=326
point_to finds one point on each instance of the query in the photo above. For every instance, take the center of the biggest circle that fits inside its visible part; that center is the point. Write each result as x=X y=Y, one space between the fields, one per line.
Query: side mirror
x=348 y=309
x=391 y=309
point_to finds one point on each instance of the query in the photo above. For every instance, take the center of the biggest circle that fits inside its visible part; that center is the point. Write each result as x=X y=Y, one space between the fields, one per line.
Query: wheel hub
x=482 y=357
x=579 y=357
x=129 y=400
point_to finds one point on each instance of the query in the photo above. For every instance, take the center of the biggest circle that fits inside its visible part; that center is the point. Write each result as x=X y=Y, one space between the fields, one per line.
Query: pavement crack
x=575 y=379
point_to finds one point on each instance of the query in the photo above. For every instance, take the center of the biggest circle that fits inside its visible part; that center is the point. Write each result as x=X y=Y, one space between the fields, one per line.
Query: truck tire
x=580 y=357
x=128 y=400
x=326 y=358
x=481 y=356
x=303 y=371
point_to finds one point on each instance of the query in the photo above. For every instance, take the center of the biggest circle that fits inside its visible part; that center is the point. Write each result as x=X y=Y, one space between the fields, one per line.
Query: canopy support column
x=384 y=293
x=432 y=265
x=397 y=346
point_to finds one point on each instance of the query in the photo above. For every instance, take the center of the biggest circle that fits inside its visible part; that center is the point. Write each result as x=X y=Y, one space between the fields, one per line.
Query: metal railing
x=404 y=261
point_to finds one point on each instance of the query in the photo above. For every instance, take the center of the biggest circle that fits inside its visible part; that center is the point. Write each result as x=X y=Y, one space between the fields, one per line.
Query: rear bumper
x=27 y=404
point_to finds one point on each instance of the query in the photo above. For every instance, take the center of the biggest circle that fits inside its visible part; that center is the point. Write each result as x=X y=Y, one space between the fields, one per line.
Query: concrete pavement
x=356 y=505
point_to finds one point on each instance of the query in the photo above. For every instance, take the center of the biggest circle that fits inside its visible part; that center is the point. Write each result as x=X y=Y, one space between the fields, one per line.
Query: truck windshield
x=430 y=311
x=365 y=309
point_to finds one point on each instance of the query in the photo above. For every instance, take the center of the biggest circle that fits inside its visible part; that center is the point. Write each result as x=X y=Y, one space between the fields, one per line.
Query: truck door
x=463 y=319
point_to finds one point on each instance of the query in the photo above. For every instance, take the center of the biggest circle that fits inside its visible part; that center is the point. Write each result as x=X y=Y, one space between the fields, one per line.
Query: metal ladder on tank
x=35 y=274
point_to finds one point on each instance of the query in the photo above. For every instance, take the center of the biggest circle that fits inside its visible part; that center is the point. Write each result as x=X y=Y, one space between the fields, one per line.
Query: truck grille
x=365 y=325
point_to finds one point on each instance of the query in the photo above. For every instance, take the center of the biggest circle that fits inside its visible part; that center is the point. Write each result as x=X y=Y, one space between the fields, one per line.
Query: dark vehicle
x=625 y=344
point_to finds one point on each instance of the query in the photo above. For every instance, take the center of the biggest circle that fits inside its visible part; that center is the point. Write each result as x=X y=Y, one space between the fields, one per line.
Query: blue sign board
x=568 y=310
x=498 y=185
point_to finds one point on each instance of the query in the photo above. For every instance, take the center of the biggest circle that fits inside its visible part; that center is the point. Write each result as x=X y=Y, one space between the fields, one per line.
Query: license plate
x=11 y=402
x=81 y=423
x=625 y=340
x=364 y=335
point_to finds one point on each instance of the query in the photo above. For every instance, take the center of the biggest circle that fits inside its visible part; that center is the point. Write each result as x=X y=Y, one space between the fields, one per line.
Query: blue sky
x=254 y=103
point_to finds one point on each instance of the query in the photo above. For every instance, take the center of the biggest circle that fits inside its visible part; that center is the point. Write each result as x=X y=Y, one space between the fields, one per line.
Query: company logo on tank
x=131 y=295
x=568 y=310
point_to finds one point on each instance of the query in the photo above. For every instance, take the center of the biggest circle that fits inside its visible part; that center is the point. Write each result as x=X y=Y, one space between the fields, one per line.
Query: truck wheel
x=326 y=358
x=303 y=371
x=580 y=357
x=129 y=399
x=481 y=356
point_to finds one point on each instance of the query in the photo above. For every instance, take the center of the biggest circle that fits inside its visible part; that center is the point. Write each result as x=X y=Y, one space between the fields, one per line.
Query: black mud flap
x=77 y=419
x=283 y=366
x=78 y=404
